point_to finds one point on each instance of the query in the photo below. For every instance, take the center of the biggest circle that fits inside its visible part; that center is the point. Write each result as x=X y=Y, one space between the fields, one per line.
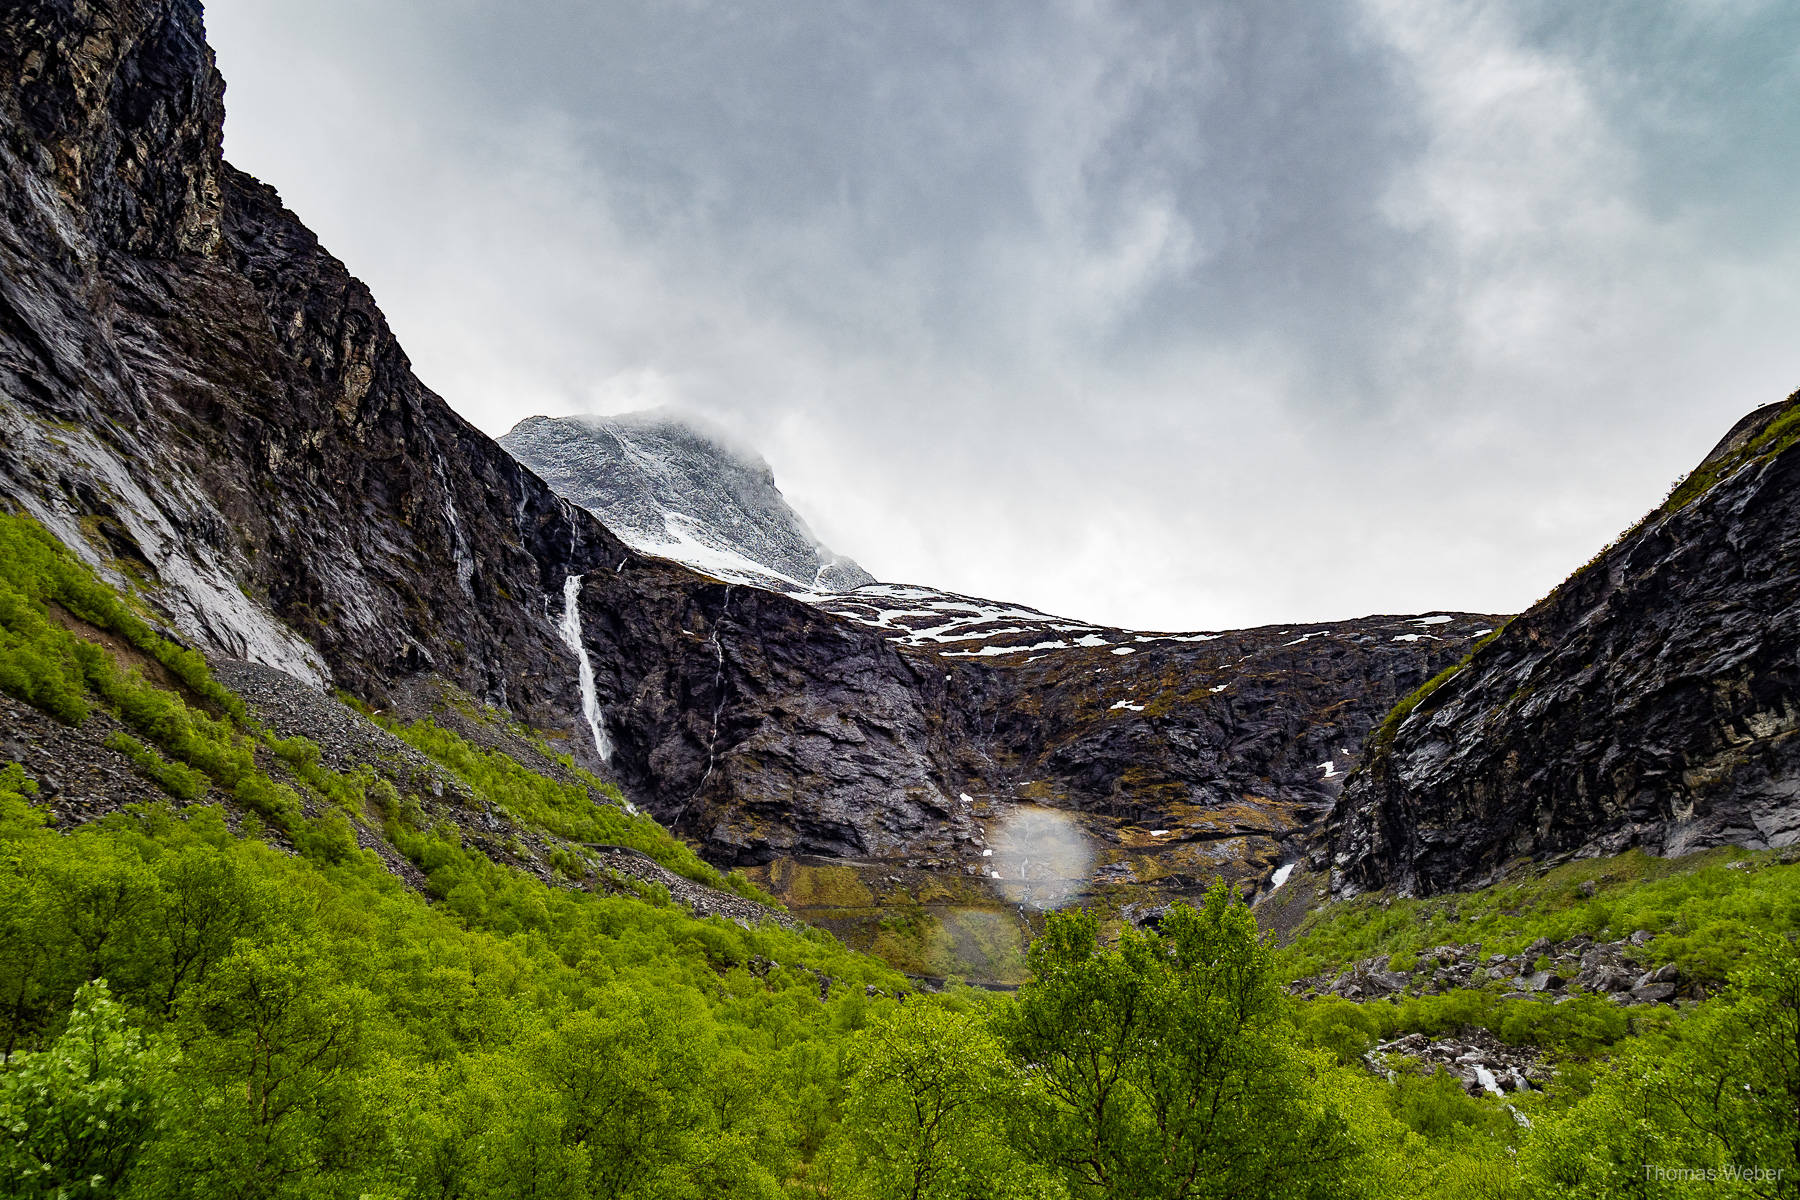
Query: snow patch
x=1127 y=704
x=1123 y=650
x=1280 y=876
x=1440 y=620
x=1330 y=768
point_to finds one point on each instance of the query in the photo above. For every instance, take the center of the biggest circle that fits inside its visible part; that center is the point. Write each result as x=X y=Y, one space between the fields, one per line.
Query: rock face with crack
x=1652 y=700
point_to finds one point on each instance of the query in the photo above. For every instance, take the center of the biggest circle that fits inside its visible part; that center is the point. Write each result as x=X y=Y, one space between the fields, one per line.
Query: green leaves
x=1162 y=1068
x=930 y=1097
x=75 y=1117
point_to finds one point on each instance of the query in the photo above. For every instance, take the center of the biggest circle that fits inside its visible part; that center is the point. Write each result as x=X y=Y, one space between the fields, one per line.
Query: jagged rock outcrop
x=670 y=485
x=1652 y=700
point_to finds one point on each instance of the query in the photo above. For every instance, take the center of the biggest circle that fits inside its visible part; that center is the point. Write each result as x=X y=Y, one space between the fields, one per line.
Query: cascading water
x=570 y=628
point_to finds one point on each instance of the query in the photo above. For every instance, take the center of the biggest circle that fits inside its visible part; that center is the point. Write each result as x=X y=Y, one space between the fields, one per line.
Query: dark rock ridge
x=1651 y=700
x=669 y=484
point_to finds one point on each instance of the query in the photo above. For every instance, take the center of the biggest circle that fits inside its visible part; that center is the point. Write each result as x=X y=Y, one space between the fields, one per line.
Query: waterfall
x=570 y=628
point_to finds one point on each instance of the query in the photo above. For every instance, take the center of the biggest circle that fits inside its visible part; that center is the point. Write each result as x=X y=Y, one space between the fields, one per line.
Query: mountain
x=1652 y=700
x=206 y=406
x=670 y=485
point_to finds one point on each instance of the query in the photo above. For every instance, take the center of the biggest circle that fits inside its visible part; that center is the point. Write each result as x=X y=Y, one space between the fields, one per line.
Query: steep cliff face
x=670 y=485
x=199 y=399
x=1652 y=700
x=202 y=402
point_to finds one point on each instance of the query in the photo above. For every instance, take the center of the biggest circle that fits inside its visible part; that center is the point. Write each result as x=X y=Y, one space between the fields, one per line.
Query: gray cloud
x=1170 y=315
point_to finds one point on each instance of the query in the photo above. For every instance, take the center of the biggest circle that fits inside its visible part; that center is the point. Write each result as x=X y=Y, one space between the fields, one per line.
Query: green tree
x=1163 y=1066
x=74 y=1117
x=925 y=1110
x=1721 y=1094
x=267 y=1094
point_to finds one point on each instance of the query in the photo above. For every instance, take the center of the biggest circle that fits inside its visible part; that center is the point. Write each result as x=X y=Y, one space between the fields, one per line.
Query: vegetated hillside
x=1652 y=700
x=670 y=485
x=204 y=405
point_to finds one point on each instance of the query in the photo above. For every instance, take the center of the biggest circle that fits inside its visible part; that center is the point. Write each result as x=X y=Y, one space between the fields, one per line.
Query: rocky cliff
x=210 y=409
x=1652 y=700
x=670 y=485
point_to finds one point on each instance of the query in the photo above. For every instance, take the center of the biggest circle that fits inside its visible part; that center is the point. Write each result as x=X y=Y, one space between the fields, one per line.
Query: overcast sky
x=1169 y=315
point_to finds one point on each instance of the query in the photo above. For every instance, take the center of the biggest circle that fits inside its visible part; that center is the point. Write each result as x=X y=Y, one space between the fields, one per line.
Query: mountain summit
x=670 y=485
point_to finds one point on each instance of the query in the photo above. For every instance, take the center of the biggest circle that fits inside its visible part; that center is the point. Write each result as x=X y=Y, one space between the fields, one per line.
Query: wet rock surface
x=1652 y=700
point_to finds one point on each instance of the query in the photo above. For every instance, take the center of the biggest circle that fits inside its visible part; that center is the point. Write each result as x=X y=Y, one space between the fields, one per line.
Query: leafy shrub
x=588 y=811
x=177 y=779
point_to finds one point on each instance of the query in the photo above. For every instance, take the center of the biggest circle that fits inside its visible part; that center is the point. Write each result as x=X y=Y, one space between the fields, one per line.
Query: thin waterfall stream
x=570 y=629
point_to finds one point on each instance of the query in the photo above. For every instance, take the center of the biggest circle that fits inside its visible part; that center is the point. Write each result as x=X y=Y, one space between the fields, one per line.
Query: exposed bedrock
x=200 y=399
x=1652 y=700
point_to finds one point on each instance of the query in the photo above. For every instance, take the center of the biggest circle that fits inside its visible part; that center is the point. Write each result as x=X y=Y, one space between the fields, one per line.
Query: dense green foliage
x=1164 y=1067
x=568 y=810
x=1712 y=1107
x=188 y=1011
x=282 y=1025
x=310 y=1028
x=47 y=670
x=1702 y=910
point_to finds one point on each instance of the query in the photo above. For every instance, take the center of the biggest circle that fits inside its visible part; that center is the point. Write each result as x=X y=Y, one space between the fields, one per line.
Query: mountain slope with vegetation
x=1652 y=700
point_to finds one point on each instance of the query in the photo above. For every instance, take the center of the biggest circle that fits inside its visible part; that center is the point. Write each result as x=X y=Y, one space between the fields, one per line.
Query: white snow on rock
x=1330 y=768
x=1127 y=704
x=670 y=485
x=1280 y=876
